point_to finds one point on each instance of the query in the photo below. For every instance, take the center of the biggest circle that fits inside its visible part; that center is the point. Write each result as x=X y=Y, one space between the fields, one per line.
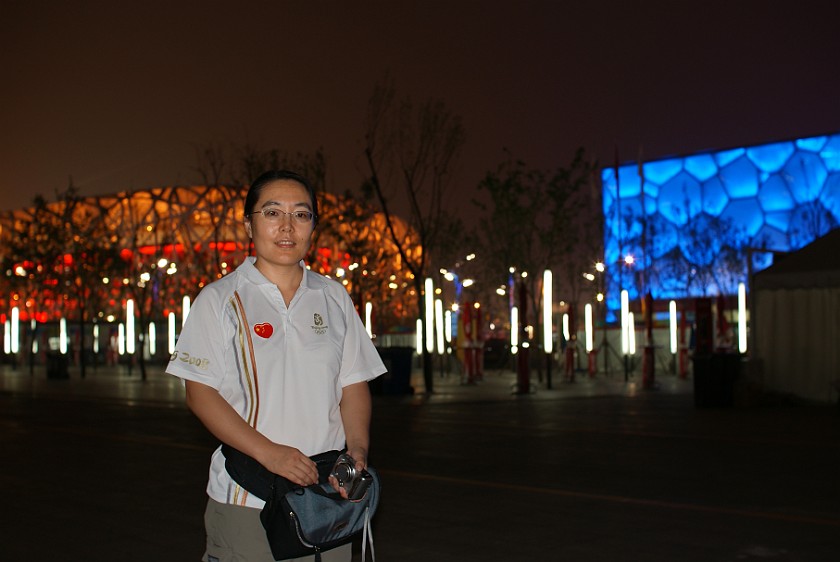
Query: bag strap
x=264 y=484
x=248 y=473
x=367 y=537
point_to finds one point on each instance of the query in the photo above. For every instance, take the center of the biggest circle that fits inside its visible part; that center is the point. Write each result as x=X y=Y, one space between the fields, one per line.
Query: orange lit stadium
x=83 y=258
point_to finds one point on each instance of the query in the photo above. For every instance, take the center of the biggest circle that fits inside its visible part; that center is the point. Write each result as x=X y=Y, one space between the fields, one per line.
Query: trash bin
x=56 y=365
x=714 y=379
x=398 y=378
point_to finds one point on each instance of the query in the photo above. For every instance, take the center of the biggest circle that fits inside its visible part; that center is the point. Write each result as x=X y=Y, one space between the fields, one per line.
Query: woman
x=276 y=362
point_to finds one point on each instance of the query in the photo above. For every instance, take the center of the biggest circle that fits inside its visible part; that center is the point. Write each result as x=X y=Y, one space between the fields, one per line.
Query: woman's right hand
x=227 y=426
x=290 y=463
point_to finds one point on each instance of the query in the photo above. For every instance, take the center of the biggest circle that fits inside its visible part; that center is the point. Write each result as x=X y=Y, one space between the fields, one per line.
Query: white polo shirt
x=282 y=369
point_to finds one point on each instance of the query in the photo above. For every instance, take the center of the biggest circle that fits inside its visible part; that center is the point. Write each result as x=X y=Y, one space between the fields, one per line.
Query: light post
x=185 y=309
x=628 y=329
x=129 y=332
x=625 y=330
x=548 y=341
x=467 y=320
x=601 y=269
x=447 y=329
x=152 y=339
x=742 y=318
x=33 y=344
x=440 y=340
x=429 y=317
x=95 y=345
x=514 y=330
x=15 y=332
x=522 y=364
x=62 y=335
x=368 y=319
x=590 y=323
x=648 y=363
x=418 y=337
x=170 y=333
x=589 y=338
x=672 y=314
x=11 y=336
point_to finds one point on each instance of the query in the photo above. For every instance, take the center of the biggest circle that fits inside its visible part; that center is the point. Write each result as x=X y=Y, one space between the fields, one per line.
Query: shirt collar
x=311 y=280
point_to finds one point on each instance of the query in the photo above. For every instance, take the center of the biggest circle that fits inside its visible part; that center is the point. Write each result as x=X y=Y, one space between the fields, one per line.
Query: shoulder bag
x=302 y=521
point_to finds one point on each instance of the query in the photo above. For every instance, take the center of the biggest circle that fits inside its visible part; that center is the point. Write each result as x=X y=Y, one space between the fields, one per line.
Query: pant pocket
x=217 y=549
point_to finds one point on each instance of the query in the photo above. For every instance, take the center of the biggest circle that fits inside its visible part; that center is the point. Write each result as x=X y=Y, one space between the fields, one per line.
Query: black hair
x=266 y=178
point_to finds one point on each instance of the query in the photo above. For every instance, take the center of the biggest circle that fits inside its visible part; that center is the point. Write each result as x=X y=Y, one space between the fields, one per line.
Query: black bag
x=301 y=521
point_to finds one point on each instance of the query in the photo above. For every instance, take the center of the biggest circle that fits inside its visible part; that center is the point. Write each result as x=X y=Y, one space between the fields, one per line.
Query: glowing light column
x=625 y=331
x=152 y=338
x=548 y=305
x=185 y=309
x=567 y=334
x=589 y=335
x=418 y=331
x=672 y=314
x=62 y=336
x=514 y=330
x=368 y=323
x=447 y=329
x=430 y=316
x=548 y=341
x=171 y=333
x=129 y=326
x=33 y=325
x=742 y=318
x=15 y=343
x=439 y=321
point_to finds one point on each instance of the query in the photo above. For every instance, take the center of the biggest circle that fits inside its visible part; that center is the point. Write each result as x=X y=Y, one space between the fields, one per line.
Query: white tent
x=796 y=321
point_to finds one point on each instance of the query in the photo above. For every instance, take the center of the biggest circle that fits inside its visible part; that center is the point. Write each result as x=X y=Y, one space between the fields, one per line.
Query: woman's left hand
x=358 y=455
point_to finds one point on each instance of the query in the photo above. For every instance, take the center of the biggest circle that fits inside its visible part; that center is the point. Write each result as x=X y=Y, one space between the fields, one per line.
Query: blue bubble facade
x=689 y=210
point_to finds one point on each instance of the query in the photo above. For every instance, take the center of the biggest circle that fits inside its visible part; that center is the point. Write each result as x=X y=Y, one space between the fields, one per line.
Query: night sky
x=117 y=94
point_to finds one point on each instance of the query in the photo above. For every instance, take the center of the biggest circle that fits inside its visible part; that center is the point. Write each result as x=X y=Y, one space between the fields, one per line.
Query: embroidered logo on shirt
x=264 y=330
x=185 y=357
x=319 y=327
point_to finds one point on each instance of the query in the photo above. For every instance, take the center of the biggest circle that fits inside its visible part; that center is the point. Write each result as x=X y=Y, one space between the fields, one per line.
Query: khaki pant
x=235 y=534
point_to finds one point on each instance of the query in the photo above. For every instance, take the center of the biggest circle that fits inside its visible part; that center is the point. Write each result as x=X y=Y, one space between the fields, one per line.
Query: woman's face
x=281 y=238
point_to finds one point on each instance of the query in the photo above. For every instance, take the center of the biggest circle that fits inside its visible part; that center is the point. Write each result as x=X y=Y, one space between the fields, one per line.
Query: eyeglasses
x=275 y=215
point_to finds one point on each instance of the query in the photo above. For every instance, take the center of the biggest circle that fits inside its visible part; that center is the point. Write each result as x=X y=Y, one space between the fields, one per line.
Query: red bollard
x=468 y=365
x=570 y=362
x=523 y=367
x=592 y=363
x=648 y=376
x=523 y=372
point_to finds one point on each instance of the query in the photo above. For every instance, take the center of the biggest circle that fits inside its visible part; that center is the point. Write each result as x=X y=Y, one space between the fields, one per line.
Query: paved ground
x=113 y=468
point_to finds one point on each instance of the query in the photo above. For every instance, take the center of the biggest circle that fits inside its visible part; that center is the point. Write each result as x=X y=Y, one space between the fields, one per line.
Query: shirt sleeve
x=199 y=351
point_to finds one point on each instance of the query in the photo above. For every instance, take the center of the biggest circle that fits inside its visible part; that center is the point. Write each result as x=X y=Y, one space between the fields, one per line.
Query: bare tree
x=164 y=229
x=539 y=219
x=237 y=165
x=412 y=150
x=710 y=257
x=60 y=256
x=352 y=236
x=811 y=220
x=211 y=163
